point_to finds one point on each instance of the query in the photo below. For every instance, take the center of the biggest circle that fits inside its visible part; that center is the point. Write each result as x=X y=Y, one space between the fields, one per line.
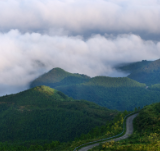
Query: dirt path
x=129 y=131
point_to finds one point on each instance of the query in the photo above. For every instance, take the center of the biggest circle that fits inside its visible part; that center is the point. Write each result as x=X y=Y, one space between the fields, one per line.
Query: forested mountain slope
x=111 y=82
x=46 y=114
x=120 y=98
x=146 y=136
x=131 y=67
x=149 y=74
x=114 y=93
x=144 y=72
x=59 y=77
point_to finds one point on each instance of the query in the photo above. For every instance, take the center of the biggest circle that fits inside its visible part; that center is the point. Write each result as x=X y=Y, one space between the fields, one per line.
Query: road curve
x=129 y=131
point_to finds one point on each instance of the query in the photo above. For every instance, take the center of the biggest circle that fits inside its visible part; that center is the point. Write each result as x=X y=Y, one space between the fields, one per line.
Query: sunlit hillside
x=46 y=114
x=146 y=136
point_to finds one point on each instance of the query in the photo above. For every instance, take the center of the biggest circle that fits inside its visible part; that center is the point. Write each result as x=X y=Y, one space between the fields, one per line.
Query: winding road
x=129 y=131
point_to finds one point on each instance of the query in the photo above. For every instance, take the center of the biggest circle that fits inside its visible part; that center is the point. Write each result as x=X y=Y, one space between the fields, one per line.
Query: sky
x=80 y=36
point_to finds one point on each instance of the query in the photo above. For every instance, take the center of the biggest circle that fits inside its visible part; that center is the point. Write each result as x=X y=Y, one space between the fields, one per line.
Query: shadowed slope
x=43 y=113
x=120 y=93
x=113 y=82
x=147 y=72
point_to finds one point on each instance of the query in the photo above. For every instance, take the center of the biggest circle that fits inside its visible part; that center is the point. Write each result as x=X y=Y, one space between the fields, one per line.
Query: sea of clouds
x=80 y=36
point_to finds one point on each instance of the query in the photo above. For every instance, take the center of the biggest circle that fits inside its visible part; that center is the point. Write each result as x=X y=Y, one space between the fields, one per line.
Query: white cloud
x=81 y=16
x=38 y=35
x=26 y=56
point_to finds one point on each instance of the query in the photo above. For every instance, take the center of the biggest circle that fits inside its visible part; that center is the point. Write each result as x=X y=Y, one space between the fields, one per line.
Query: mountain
x=131 y=67
x=42 y=113
x=114 y=93
x=59 y=77
x=147 y=72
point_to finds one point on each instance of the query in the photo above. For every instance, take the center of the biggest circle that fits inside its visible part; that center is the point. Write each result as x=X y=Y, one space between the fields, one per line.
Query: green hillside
x=113 y=82
x=131 y=67
x=59 y=77
x=122 y=98
x=113 y=93
x=46 y=114
x=147 y=72
x=155 y=87
x=150 y=74
x=146 y=136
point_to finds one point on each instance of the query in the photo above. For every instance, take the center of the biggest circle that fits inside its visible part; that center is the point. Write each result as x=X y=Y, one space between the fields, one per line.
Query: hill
x=45 y=114
x=149 y=74
x=144 y=72
x=155 y=87
x=58 y=77
x=146 y=136
x=131 y=67
x=114 y=93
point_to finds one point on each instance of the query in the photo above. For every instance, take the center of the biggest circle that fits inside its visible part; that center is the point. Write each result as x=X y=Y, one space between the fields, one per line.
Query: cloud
x=26 y=56
x=81 y=17
x=84 y=36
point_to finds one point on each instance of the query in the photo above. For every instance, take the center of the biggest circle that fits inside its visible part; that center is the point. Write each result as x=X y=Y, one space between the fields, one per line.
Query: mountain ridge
x=147 y=72
x=121 y=93
x=43 y=113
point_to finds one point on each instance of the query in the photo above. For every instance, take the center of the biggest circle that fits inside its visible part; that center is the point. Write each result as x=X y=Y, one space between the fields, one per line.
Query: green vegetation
x=146 y=136
x=44 y=118
x=122 y=98
x=110 y=128
x=59 y=77
x=111 y=82
x=101 y=90
x=144 y=72
x=155 y=87
x=131 y=67
x=44 y=115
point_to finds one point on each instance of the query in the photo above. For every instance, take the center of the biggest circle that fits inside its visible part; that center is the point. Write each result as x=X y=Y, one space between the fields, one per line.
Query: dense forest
x=120 y=93
x=121 y=98
x=59 y=116
x=110 y=128
x=146 y=136
x=147 y=72
x=134 y=66
x=45 y=114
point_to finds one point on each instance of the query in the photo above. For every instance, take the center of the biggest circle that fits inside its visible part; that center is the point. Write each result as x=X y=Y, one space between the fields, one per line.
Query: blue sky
x=80 y=36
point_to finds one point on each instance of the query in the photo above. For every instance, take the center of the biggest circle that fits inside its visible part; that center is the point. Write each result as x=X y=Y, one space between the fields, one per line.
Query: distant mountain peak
x=57 y=69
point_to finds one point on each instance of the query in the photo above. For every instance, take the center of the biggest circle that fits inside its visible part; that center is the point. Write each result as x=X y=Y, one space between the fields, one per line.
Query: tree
x=135 y=109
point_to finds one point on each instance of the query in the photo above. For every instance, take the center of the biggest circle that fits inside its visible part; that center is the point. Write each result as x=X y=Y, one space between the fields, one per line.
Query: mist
x=80 y=36
x=24 y=57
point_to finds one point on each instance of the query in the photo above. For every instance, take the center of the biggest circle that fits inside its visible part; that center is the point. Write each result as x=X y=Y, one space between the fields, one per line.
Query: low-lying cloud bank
x=23 y=57
x=81 y=17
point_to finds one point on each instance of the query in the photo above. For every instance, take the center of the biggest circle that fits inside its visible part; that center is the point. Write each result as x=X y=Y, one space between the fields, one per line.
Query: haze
x=79 y=36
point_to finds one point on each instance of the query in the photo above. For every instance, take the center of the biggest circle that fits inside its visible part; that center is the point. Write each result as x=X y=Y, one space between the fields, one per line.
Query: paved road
x=129 y=131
